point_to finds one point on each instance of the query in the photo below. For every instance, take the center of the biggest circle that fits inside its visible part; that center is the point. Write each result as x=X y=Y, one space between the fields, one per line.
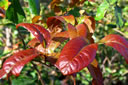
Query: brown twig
x=38 y=72
x=20 y=36
x=74 y=78
x=121 y=33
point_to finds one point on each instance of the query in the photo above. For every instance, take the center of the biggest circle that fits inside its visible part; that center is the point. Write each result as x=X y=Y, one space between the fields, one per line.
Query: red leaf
x=72 y=31
x=39 y=32
x=63 y=34
x=54 y=21
x=75 y=56
x=81 y=30
x=33 y=43
x=16 y=62
x=32 y=29
x=117 y=42
x=96 y=73
x=44 y=32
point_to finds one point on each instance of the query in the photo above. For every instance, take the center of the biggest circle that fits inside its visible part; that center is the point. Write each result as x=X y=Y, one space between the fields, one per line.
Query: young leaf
x=96 y=73
x=82 y=30
x=34 y=6
x=118 y=43
x=70 y=19
x=101 y=10
x=54 y=21
x=16 y=62
x=72 y=31
x=15 y=12
x=35 y=19
x=75 y=56
x=33 y=43
x=63 y=34
x=118 y=14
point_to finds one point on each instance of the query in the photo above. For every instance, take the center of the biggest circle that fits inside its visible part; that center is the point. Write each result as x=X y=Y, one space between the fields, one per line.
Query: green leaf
x=34 y=6
x=101 y=10
x=15 y=12
x=118 y=14
x=4 y=3
x=112 y=1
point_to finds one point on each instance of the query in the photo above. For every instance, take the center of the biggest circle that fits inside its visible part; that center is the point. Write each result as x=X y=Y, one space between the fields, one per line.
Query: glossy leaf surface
x=39 y=32
x=96 y=73
x=75 y=56
x=117 y=42
x=16 y=62
x=44 y=32
x=32 y=29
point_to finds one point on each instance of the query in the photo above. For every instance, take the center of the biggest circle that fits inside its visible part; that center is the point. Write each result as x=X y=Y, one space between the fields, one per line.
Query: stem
x=121 y=33
x=38 y=72
x=20 y=36
x=74 y=80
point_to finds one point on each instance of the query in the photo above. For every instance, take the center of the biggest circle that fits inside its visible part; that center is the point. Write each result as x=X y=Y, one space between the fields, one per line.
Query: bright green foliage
x=101 y=10
x=4 y=3
x=34 y=6
x=15 y=12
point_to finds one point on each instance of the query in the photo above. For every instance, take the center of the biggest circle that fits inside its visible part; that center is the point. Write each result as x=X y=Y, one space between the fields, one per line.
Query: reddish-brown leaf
x=33 y=43
x=54 y=21
x=32 y=29
x=63 y=34
x=96 y=73
x=117 y=42
x=44 y=32
x=70 y=19
x=38 y=31
x=16 y=62
x=72 y=31
x=81 y=30
x=75 y=56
